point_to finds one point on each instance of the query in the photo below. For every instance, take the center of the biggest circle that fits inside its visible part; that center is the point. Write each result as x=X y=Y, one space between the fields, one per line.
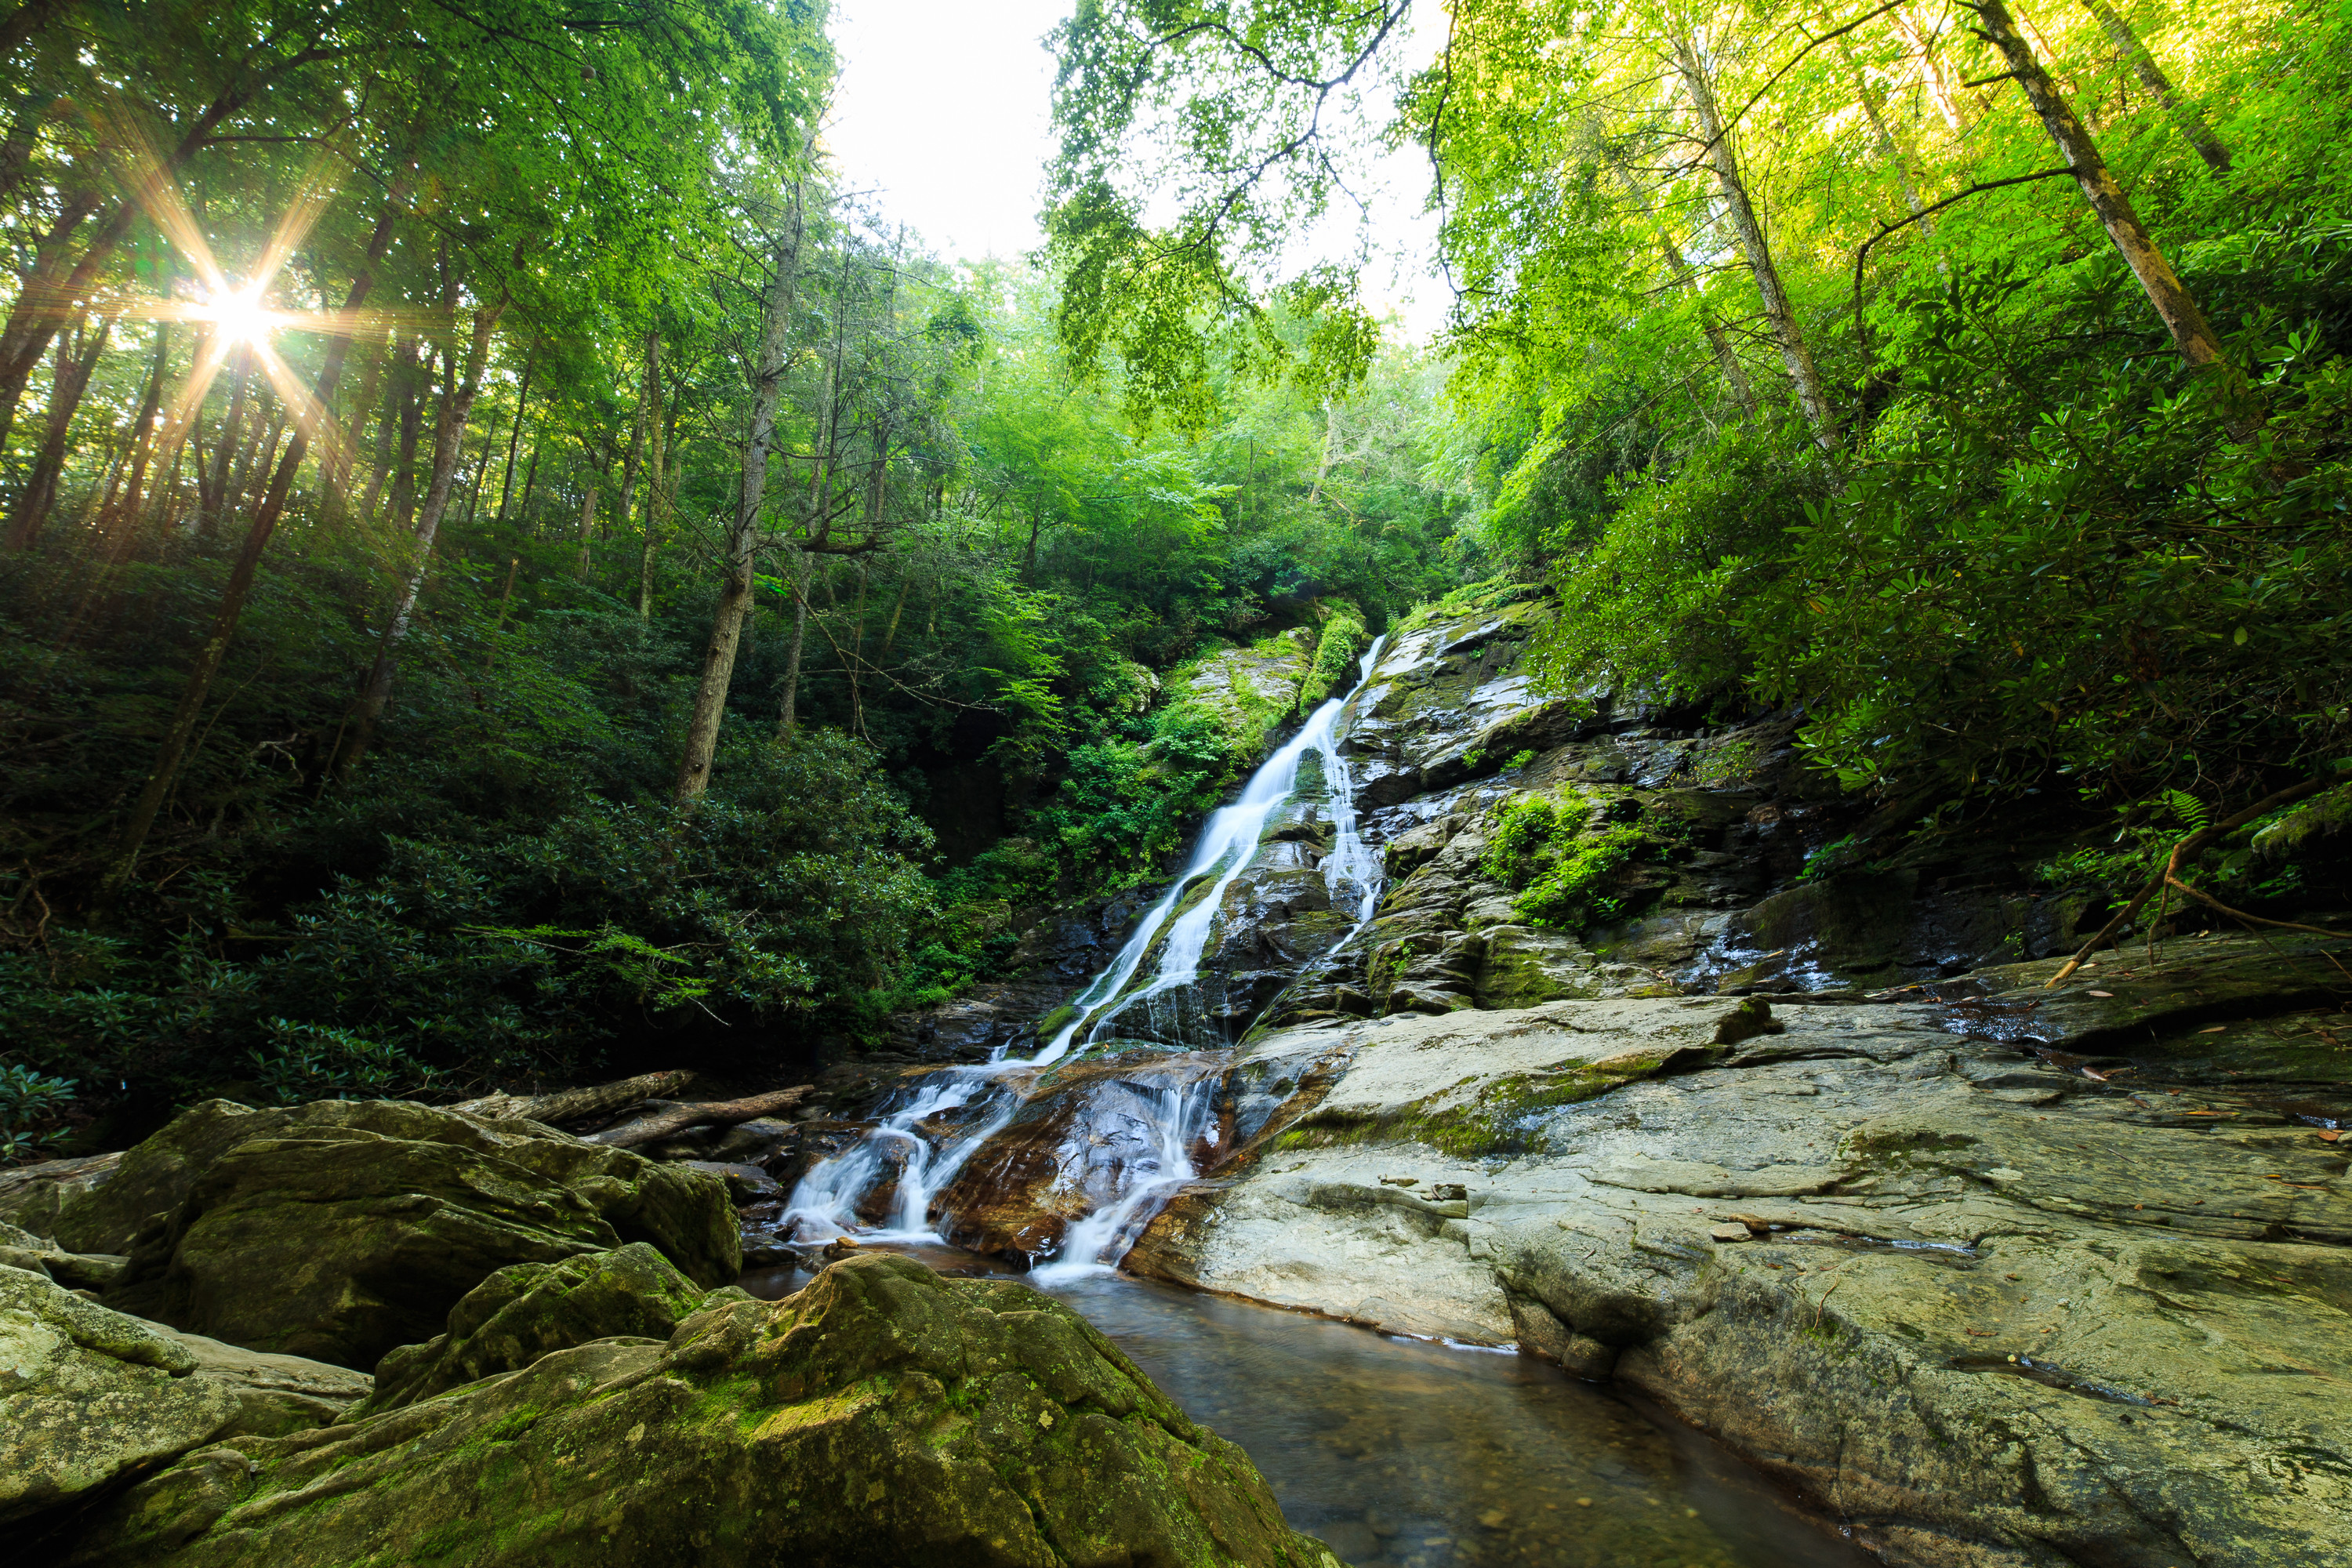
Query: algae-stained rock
x=1993 y=1312
x=883 y=1415
x=87 y=1395
x=342 y=1229
x=20 y=1248
x=526 y=1310
x=32 y=1195
x=275 y=1395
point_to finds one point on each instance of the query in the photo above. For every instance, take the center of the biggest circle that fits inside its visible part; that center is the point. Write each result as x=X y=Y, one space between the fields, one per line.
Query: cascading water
x=980 y=1101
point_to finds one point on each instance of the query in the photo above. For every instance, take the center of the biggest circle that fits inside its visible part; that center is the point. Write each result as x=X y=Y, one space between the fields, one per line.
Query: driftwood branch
x=2188 y=846
x=672 y=1118
x=573 y=1104
x=2241 y=914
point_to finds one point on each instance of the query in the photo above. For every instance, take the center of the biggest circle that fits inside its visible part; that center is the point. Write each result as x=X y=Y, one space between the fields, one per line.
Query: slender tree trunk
x=173 y=749
x=40 y=491
x=449 y=447
x=120 y=524
x=587 y=528
x=1323 y=463
x=345 y=458
x=1678 y=267
x=743 y=536
x=2184 y=116
x=415 y=368
x=648 y=410
x=2192 y=333
x=530 y=479
x=658 y=508
x=387 y=426
x=1942 y=87
x=482 y=471
x=1812 y=395
x=514 y=437
x=212 y=495
x=788 y=722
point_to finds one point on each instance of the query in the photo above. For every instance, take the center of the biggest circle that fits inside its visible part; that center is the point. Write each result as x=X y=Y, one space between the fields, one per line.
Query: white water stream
x=826 y=1202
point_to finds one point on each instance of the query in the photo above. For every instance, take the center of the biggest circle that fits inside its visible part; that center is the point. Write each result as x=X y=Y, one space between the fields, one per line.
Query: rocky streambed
x=1781 y=1134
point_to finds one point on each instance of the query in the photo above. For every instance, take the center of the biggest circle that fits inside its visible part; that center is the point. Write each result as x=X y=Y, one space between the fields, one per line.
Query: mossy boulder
x=883 y=1415
x=88 y=1395
x=340 y=1230
x=526 y=1310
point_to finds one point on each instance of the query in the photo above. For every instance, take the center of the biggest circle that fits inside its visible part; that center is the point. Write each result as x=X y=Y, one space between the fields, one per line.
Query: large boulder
x=527 y=1311
x=1993 y=1308
x=883 y=1415
x=88 y=1396
x=338 y=1230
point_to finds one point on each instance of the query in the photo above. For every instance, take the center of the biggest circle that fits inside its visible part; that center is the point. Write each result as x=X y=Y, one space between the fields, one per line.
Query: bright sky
x=943 y=110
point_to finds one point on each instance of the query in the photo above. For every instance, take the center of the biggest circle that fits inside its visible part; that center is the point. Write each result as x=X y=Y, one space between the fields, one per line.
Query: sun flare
x=242 y=317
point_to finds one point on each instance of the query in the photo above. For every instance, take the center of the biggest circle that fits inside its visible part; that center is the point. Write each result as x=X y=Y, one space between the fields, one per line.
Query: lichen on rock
x=883 y=1415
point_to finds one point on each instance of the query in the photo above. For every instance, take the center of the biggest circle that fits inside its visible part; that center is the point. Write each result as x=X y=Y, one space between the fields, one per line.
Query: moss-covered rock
x=90 y=1396
x=883 y=1415
x=526 y=1310
x=340 y=1230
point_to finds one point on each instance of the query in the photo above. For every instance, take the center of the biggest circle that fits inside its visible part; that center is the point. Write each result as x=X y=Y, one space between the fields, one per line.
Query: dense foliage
x=459 y=554
x=1804 y=370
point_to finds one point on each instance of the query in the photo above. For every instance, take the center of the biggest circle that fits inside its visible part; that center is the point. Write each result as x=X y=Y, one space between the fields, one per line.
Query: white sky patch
x=944 y=111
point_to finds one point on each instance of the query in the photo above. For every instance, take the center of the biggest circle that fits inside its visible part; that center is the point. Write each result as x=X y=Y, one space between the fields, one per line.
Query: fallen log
x=572 y=1104
x=672 y=1118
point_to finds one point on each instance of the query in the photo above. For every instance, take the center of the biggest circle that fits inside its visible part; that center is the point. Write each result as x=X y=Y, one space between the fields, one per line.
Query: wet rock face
x=1989 y=1308
x=1091 y=1136
x=339 y=1229
x=883 y=1415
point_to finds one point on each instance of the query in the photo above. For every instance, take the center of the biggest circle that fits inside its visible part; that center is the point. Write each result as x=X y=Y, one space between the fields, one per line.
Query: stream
x=1399 y=1453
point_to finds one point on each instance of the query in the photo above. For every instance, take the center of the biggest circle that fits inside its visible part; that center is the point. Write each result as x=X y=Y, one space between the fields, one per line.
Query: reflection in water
x=1406 y=1454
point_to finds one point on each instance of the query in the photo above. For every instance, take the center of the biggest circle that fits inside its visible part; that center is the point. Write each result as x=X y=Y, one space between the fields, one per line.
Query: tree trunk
x=482 y=469
x=2192 y=333
x=1812 y=395
x=212 y=495
x=788 y=722
x=448 y=445
x=650 y=403
x=1947 y=95
x=659 y=1124
x=40 y=491
x=530 y=480
x=345 y=458
x=514 y=438
x=414 y=369
x=587 y=528
x=2184 y=116
x=743 y=538
x=648 y=410
x=1678 y=267
x=173 y=750
x=120 y=523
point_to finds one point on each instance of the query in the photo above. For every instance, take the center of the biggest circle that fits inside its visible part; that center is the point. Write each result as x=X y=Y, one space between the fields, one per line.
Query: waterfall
x=984 y=1100
x=1224 y=850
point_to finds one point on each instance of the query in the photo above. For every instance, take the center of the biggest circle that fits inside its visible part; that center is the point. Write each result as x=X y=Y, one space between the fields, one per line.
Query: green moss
x=1344 y=637
x=1498 y=1121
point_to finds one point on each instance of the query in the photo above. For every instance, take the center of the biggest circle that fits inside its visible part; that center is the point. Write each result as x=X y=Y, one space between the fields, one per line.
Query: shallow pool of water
x=1404 y=1454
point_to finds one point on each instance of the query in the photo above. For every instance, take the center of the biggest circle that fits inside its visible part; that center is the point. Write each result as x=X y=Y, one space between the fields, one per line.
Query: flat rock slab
x=1989 y=1311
